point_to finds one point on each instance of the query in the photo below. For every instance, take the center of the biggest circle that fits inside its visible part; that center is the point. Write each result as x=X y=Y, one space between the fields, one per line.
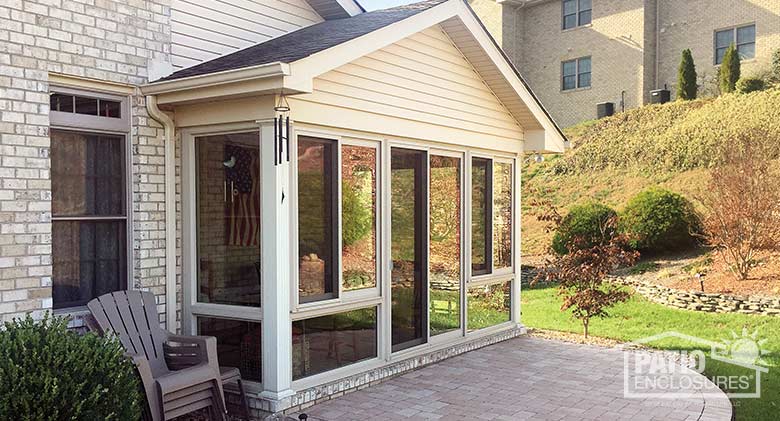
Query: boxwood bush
x=585 y=222
x=50 y=373
x=657 y=220
x=747 y=85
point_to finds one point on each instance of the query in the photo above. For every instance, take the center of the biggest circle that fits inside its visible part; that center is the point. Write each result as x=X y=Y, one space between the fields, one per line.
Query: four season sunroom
x=350 y=196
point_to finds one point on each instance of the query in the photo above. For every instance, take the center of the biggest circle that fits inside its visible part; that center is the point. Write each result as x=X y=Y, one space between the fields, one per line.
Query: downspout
x=170 y=209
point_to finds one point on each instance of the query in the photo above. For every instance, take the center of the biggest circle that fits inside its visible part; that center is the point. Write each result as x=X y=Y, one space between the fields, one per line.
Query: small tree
x=687 y=88
x=729 y=70
x=580 y=273
x=743 y=201
x=775 y=70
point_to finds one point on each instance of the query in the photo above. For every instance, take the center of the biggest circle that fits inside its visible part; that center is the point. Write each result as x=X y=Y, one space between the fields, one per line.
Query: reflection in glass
x=328 y=342
x=408 y=248
x=481 y=192
x=502 y=215
x=228 y=212
x=488 y=305
x=317 y=166
x=358 y=218
x=238 y=344
x=445 y=228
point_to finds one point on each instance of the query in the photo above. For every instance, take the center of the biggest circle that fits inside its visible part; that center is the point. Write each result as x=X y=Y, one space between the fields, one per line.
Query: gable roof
x=291 y=62
x=305 y=41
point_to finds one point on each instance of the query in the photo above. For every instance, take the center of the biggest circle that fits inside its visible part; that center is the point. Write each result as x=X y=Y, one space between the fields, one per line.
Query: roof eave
x=218 y=78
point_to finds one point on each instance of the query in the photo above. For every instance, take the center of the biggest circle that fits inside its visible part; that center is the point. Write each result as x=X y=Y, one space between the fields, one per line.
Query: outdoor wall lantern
x=282 y=130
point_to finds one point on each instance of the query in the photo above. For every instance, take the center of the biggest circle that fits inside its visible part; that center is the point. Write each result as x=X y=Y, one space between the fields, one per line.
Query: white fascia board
x=554 y=141
x=217 y=78
x=350 y=6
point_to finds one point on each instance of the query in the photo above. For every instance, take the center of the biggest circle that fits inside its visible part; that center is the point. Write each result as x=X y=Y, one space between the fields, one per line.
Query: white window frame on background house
x=735 y=40
x=63 y=121
x=583 y=15
x=578 y=73
x=192 y=309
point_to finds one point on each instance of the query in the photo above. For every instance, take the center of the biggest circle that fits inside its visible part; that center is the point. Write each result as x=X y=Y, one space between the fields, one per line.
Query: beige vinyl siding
x=420 y=87
x=205 y=29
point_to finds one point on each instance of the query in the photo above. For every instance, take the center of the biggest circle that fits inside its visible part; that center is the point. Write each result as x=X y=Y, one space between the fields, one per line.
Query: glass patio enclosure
x=356 y=252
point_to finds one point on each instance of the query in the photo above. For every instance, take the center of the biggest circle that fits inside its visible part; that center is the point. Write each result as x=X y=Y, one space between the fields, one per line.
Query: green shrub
x=585 y=223
x=657 y=220
x=357 y=217
x=687 y=88
x=747 y=85
x=775 y=69
x=729 y=71
x=50 y=373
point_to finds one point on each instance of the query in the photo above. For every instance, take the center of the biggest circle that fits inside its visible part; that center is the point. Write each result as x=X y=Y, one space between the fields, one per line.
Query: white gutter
x=170 y=210
x=217 y=78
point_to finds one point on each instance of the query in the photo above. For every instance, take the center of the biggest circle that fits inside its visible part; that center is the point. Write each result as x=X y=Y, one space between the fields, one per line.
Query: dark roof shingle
x=306 y=41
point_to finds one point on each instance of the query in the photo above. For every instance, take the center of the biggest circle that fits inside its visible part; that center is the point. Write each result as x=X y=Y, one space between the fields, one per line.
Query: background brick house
x=634 y=46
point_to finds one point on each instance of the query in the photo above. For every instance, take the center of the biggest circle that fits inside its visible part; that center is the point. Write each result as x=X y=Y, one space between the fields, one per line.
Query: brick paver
x=520 y=379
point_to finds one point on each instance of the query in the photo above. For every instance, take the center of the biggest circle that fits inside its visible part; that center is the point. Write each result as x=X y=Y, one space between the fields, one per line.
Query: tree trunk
x=585 y=326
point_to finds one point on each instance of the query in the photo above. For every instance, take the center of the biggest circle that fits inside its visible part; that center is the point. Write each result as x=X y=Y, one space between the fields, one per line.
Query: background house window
x=317 y=219
x=743 y=37
x=577 y=13
x=89 y=216
x=576 y=73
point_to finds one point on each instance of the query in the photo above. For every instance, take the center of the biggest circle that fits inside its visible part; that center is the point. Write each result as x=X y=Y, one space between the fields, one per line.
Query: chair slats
x=159 y=336
x=125 y=312
x=138 y=312
x=111 y=310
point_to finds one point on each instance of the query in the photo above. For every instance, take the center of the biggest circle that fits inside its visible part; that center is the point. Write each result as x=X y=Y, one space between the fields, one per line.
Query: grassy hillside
x=670 y=145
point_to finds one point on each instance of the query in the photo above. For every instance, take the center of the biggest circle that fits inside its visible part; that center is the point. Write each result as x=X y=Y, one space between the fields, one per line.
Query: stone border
x=314 y=395
x=701 y=301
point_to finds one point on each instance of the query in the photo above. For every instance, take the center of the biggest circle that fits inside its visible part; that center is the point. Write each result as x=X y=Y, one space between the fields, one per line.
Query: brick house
x=578 y=53
x=214 y=153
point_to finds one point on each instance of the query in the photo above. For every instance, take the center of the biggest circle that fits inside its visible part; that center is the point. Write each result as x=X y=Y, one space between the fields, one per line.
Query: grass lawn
x=639 y=318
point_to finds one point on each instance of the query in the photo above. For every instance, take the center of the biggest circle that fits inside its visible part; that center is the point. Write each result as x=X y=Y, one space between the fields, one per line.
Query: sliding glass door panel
x=409 y=238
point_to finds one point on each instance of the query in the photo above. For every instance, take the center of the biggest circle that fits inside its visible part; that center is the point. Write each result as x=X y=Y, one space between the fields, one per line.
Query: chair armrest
x=204 y=348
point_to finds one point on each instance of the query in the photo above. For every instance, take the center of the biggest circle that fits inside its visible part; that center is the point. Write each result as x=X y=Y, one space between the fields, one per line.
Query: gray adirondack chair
x=157 y=353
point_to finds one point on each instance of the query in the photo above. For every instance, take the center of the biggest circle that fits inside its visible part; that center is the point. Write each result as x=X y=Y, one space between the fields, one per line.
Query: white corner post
x=517 y=239
x=275 y=266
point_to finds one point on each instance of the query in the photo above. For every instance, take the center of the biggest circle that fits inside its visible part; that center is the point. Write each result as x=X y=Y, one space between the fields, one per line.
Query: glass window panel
x=746 y=34
x=358 y=218
x=569 y=82
x=238 y=344
x=489 y=305
x=569 y=21
x=481 y=193
x=316 y=222
x=87 y=174
x=747 y=51
x=445 y=241
x=86 y=105
x=584 y=65
x=110 y=108
x=583 y=80
x=502 y=215
x=88 y=260
x=61 y=102
x=570 y=68
x=228 y=219
x=719 y=54
x=585 y=17
x=325 y=343
x=569 y=7
x=586 y=5
x=408 y=236
x=724 y=38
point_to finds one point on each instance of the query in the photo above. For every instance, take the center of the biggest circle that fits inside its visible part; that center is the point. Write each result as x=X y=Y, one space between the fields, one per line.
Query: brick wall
x=98 y=39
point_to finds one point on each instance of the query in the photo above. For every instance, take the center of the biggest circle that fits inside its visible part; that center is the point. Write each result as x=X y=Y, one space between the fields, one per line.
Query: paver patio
x=523 y=378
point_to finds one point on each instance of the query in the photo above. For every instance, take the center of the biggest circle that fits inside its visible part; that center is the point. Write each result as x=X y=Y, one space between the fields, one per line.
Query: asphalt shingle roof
x=306 y=41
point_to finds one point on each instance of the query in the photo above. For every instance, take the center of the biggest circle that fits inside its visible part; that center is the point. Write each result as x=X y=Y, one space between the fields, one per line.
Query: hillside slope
x=670 y=145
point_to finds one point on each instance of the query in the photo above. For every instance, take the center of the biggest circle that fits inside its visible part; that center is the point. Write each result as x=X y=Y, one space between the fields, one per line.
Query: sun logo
x=746 y=348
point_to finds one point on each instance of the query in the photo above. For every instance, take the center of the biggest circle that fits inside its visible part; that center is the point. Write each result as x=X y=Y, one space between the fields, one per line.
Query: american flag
x=243 y=209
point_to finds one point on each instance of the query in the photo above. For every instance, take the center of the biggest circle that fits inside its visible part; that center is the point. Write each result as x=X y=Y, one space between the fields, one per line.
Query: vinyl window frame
x=107 y=126
x=734 y=30
x=578 y=12
x=577 y=74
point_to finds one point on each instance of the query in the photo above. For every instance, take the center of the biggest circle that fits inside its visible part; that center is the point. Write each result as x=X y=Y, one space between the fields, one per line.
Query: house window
x=576 y=74
x=358 y=217
x=317 y=219
x=491 y=215
x=238 y=344
x=89 y=198
x=325 y=343
x=743 y=37
x=577 y=13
